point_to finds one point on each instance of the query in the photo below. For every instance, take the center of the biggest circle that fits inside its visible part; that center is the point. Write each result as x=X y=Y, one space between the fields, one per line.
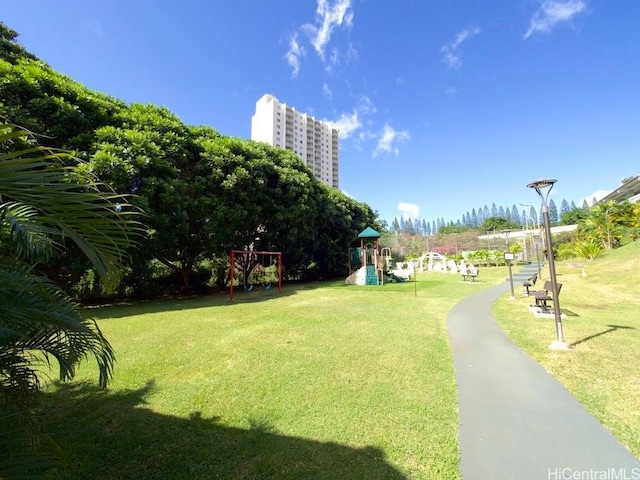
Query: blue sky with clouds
x=443 y=105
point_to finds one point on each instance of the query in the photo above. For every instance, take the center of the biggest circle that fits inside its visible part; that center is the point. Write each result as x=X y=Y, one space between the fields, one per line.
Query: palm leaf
x=36 y=181
x=41 y=210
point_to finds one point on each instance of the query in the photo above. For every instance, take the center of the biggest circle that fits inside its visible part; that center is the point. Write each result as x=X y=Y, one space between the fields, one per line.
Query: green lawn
x=601 y=301
x=321 y=381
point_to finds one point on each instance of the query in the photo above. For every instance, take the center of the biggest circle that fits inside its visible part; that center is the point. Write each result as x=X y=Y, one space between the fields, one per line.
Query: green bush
x=588 y=249
x=565 y=251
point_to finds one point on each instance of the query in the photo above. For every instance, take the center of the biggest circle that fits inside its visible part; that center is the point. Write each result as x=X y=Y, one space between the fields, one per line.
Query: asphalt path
x=516 y=420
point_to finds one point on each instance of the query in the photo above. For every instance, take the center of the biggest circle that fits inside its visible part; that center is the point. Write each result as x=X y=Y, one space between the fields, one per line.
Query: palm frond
x=35 y=180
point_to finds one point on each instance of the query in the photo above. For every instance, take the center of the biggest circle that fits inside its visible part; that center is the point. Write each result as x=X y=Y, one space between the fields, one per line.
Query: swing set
x=257 y=268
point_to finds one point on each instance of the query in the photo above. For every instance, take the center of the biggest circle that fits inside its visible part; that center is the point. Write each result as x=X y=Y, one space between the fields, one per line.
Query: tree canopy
x=203 y=193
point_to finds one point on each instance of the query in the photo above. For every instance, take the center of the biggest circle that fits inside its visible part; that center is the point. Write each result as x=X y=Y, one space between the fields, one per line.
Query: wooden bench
x=545 y=295
x=529 y=283
x=470 y=275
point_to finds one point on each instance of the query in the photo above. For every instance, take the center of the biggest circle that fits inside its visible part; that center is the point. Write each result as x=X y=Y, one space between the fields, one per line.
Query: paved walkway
x=516 y=420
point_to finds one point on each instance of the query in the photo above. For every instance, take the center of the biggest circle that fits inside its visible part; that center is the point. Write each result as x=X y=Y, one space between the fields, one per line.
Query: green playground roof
x=368 y=233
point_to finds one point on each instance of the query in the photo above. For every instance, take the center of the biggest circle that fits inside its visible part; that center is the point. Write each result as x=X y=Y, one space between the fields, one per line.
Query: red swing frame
x=278 y=256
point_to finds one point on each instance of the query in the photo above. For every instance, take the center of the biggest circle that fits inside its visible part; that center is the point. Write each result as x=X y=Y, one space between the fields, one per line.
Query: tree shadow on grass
x=612 y=328
x=113 y=436
x=240 y=296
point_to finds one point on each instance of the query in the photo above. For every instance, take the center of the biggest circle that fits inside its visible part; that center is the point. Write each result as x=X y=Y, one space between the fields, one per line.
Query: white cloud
x=346 y=124
x=326 y=91
x=553 y=12
x=388 y=140
x=366 y=106
x=328 y=17
x=450 y=51
x=349 y=124
x=451 y=91
x=293 y=56
x=409 y=210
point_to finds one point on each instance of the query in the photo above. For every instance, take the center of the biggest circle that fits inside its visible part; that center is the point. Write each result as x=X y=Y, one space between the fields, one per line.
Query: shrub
x=565 y=251
x=588 y=249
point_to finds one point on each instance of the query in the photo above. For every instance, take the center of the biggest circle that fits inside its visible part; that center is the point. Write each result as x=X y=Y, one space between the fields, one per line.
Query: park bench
x=470 y=274
x=530 y=282
x=545 y=295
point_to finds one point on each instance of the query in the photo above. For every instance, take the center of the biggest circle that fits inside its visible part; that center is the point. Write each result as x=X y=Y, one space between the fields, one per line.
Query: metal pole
x=558 y=344
x=537 y=249
x=506 y=236
x=524 y=237
x=552 y=273
x=513 y=295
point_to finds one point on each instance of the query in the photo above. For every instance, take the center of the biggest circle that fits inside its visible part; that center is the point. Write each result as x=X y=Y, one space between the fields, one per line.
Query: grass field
x=321 y=381
x=601 y=301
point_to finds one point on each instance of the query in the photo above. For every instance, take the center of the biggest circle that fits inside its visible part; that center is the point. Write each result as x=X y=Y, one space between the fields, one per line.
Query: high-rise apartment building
x=314 y=142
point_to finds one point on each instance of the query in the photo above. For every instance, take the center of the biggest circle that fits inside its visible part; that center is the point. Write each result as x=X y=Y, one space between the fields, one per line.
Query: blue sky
x=443 y=105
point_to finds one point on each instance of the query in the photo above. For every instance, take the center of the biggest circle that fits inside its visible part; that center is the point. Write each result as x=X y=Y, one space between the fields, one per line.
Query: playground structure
x=370 y=265
x=257 y=268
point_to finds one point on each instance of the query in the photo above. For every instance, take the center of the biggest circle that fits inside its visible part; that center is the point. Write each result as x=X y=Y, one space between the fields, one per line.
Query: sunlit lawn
x=321 y=381
x=602 y=323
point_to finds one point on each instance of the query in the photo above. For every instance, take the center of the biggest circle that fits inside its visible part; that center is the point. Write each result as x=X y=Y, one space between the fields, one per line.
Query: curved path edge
x=516 y=421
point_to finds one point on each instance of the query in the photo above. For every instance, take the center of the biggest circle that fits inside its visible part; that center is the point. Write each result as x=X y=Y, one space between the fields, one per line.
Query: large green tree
x=204 y=194
x=153 y=155
x=259 y=197
x=42 y=211
x=51 y=104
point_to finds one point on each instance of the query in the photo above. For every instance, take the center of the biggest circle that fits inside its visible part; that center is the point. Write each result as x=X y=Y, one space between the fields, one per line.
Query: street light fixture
x=539 y=186
x=508 y=256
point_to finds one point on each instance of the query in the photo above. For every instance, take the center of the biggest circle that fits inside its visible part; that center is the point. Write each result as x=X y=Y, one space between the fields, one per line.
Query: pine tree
x=494 y=210
x=396 y=225
x=501 y=212
x=408 y=227
x=417 y=227
x=515 y=215
x=564 y=208
x=474 y=218
x=434 y=228
x=533 y=215
x=553 y=212
x=428 y=228
x=481 y=216
x=424 y=227
x=585 y=204
x=573 y=205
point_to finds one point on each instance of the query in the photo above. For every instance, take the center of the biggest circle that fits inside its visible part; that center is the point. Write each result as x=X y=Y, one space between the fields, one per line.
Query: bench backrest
x=534 y=279
x=549 y=287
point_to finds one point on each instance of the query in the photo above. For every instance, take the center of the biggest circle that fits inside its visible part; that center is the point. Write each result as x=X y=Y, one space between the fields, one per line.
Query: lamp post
x=536 y=247
x=508 y=256
x=526 y=230
x=539 y=186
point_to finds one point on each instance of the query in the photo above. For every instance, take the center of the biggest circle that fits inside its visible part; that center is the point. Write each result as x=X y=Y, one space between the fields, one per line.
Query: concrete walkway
x=516 y=420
